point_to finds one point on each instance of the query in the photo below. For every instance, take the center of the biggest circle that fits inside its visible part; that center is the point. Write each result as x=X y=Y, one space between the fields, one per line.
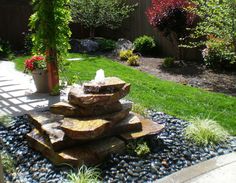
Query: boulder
x=88 y=45
x=110 y=85
x=70 y=110
x=123 y=44
x=40 y=118
x=130 y=124
x=90 y=154
x=89 y=129
x=78 y=97
x=48 y=125
x=148 y=128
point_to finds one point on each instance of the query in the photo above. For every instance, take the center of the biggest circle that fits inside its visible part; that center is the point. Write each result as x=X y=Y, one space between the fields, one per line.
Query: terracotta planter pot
x=41 y=80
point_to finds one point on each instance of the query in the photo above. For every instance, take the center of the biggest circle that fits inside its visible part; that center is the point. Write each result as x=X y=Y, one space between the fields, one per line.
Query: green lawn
x=150 y=92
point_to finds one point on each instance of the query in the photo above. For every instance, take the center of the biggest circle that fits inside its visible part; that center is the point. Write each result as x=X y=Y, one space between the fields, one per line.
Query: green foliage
x=153 y=93
x=5 y=120
x=139 y=109
x=7 y=162
x=50 y=27
x=144 y=44
x=168 y=62
x=217 y=23
x=133 y=60
x=5 y=50
x=205 y=131
x=85 y=175
x=218 y=54
x=125 y=54
x=140 y=147
x=56 y=90
x=106 y=44
x=97 y=13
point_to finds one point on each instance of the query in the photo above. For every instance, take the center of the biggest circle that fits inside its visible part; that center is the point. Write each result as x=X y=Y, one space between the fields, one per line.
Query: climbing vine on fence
x=50 y=26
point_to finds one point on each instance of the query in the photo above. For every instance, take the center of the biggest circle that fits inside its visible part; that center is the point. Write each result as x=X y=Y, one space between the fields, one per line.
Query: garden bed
x=170 y=152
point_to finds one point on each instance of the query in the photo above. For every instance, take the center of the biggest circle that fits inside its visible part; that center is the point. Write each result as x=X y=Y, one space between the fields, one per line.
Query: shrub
x=144 y=44
x=168 y=62
x=5 y=50
x=84 y=175
x=205 y=131
x=172 y=18
x=133 y=60
x=138 y=147
x=142 y=149
x=218 y=54
x=125 y=54
x=106 y=44
x=7 y=162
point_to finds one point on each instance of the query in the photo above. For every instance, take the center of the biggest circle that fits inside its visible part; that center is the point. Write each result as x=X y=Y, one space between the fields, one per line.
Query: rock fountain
x=92 y=124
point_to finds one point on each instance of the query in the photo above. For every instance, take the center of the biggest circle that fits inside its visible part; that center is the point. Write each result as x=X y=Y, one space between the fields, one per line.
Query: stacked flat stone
x=90 y=126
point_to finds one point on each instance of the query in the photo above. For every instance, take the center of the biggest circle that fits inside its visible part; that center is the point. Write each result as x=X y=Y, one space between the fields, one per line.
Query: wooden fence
x=14 y=15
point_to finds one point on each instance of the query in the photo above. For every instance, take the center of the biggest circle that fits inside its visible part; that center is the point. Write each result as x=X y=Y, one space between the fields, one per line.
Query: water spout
x=100 y=77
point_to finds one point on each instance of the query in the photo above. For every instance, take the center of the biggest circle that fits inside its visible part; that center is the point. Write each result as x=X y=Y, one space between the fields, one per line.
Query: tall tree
x=96 y=13
x=50 y=26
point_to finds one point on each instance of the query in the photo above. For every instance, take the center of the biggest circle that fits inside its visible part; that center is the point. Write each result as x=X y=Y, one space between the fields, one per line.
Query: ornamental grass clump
x=85 y=175
x=205 y=132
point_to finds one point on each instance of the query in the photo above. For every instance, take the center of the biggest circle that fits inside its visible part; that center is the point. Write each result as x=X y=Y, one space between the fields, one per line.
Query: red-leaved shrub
x=171 y=15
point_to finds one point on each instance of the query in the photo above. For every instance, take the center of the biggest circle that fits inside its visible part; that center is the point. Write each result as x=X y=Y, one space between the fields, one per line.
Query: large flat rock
x=130 y=124
x=148 y=128
x=50 y=127
x=92 y=128
x=78 y=97
x=110 y=85
x=70 y=110
x=40 y=118
x=89 y=154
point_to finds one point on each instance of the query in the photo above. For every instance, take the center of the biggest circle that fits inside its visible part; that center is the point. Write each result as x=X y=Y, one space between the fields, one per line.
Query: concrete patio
x=17 y=92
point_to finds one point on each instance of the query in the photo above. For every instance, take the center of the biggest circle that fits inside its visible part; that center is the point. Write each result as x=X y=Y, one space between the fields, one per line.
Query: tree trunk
x=92 y=32
x=52 y=67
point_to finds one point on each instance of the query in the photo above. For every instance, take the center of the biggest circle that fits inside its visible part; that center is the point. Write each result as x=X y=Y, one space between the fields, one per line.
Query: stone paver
x=217 y=170
x=17 y=92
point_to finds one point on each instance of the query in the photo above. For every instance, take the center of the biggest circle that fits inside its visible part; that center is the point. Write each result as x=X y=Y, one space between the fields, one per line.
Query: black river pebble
x=170 y=152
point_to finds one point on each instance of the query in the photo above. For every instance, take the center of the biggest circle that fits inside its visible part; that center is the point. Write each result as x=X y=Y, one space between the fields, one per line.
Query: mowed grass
x=150 y=92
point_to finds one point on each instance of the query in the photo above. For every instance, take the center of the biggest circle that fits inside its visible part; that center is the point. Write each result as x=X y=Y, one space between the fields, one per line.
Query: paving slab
x=18 y=93
x=216 y=170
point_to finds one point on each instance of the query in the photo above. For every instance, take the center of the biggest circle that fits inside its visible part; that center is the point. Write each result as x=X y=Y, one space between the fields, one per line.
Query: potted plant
x=38 y=67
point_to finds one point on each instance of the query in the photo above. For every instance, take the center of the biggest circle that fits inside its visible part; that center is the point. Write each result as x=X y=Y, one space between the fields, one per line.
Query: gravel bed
x=170 y=152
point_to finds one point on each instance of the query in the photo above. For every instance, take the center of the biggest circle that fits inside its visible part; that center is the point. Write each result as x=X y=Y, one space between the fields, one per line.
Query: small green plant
x=140 y=147
x=205 y=131
x=144 y=44
x=5 y=50
x=137 y=108
x=7 y=162
x=133 y=60
x=125 y=54
x=85 y=175
x=106 y=44
x=56 y=90
x=219 y=54
x=5 y=120
x=168 y=62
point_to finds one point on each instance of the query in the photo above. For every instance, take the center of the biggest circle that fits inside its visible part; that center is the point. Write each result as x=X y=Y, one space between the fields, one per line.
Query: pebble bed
x=170 y=152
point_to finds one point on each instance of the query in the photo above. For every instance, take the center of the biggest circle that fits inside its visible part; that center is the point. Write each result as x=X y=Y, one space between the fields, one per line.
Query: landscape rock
x=90 y=154
x=110 y=85
x=78 y=97
x=88 y=45
x=148 y=128
x=88 y=129
x=50 y=127
x=124 y=44
x=70 y=110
